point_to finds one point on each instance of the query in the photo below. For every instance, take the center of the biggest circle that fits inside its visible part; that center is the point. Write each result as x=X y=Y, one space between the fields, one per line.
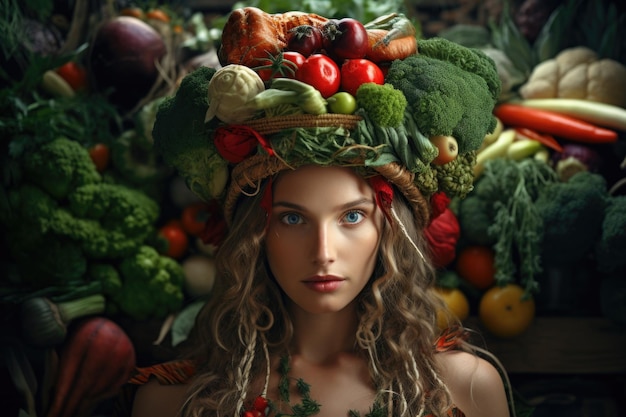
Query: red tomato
x=100 y=155
x=321 y=72
x=132 y=12
x=158 y=14
x=305 y=39
x=75 y=75
x=194 y=217
x=177 y=240
x=284 y=64
x=345 y=38
x=355 y=72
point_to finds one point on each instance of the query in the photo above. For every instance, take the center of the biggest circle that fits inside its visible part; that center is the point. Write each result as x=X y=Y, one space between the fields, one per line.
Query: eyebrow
x=345 y=206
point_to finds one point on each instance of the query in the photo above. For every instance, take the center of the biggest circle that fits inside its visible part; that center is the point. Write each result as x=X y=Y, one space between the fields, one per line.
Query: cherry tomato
x=355 y=72
x=475 y=264
x=342 y=102
x=75 y=75
x=321 y=72
x=176 y=238
x=305 y=39
x=100 y=155
x=261 y=404
x=194 y=217
x=285 y=64
x=345 y=38
x=132 y=12
x=158 y=14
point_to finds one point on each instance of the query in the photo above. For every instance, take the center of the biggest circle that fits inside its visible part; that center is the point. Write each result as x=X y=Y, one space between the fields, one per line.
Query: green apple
x=342 y=102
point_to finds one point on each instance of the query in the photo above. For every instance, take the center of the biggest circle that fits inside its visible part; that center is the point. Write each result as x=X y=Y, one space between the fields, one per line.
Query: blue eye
x=291 y=218
x=353 y=217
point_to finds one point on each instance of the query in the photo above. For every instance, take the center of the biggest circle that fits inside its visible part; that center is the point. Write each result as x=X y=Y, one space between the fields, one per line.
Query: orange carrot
x=553 y=123
x=398 y=48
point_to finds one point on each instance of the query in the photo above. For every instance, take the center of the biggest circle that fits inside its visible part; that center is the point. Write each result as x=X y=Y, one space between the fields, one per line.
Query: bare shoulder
x=156 y=400
x=475 y=384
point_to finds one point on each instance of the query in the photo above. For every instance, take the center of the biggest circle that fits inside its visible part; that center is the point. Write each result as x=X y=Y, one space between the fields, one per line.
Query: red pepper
x=553 y=123
x=543 y=138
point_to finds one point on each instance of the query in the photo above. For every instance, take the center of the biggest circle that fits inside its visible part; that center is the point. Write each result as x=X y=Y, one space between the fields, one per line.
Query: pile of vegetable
x=404 y=92
x=542 y=221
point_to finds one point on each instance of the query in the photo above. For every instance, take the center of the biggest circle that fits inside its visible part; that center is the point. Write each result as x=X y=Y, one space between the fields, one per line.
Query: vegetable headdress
x=225 y=130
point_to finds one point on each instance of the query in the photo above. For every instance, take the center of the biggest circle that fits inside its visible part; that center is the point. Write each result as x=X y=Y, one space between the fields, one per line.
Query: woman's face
x=323 y=236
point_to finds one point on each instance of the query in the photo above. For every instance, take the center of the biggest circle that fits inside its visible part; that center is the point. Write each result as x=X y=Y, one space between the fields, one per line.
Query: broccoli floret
x=59 y=166
x=117 y=220
x=470 y=59
x=151 y=285
x=105 y=221
x=115 y=206
x=445 y=99
x=611 y=247
x=183 y=139
x=427 y=182
x=456 y=178
x=572 y=213
x=383 y=103
x=108 y=277
x=41 y=257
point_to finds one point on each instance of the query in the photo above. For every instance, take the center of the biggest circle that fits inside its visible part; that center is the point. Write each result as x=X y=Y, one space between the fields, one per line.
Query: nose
x=324 y=245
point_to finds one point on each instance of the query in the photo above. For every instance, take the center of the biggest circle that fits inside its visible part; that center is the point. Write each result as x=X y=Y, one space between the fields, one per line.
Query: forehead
x=320 y=181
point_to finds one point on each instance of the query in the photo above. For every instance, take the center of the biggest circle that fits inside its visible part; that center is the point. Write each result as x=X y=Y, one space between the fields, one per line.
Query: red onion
x=123 y=59
x=575 y=158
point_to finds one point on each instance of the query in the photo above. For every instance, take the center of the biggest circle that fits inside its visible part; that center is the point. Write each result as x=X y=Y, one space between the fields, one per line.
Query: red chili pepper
x=543 y=138
x=553 y=123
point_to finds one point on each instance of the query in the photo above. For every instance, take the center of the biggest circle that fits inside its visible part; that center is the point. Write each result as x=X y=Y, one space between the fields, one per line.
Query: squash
x=94 y=363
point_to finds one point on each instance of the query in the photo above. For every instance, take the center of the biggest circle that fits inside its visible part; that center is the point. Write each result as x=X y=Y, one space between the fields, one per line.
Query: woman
x=324 y=303
x=340 y=291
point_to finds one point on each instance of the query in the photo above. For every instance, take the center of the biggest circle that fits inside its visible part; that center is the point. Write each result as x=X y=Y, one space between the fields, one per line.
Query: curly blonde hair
x=247 y=321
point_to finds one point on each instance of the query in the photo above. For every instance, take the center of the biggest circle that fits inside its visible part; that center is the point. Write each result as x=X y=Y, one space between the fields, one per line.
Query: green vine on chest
x=308 y=406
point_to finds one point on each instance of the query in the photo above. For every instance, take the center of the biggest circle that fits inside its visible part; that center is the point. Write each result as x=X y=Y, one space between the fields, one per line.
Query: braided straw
x=246 y=178
x=403 y=179
x=270 y=125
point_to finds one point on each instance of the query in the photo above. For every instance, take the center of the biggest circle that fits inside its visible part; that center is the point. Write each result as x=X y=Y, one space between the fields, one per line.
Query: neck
x=319 y=338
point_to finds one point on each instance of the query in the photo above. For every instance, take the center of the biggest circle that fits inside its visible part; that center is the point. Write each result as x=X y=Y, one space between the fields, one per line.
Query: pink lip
x=324 y=283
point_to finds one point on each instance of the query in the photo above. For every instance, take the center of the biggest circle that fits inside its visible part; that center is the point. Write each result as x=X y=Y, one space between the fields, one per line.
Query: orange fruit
x=456 y=306
x=475 y=264
x=506 y=311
